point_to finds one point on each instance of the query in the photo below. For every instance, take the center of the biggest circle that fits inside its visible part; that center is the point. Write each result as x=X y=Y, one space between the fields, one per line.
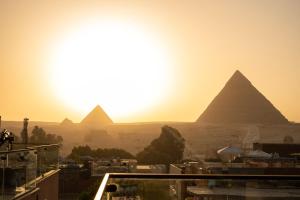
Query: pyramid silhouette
x=66 y=122
x=97 y=117
x=240 y=102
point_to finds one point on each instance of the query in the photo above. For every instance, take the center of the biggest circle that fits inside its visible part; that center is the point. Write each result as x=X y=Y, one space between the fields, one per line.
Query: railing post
x=101 y=189
x=3 y=158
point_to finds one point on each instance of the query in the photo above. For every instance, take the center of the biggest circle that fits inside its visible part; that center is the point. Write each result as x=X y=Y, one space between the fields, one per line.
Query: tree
x=81 y=151
x=166 y=149
x=39 y=136
x=112 y=153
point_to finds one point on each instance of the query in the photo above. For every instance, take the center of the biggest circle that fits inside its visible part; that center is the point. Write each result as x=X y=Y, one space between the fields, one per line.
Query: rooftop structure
x=29 y=173
x=198 y=186
x=282 y=149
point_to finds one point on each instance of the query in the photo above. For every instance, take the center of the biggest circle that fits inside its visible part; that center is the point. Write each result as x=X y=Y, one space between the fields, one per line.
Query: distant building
x=218 y=189
x=282 y=149
x=100 y=167
x=227 y=189
x=74 y=173
x=157 y=169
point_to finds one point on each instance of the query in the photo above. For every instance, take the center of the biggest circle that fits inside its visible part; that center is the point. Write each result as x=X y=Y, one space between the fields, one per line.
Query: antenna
x=0 y=121
x=24 y=133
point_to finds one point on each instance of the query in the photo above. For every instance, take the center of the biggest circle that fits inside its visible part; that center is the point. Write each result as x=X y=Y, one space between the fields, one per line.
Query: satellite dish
x=229 y=153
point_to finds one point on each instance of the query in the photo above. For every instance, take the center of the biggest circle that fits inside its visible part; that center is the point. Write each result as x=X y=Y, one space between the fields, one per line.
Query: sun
x=118 y=65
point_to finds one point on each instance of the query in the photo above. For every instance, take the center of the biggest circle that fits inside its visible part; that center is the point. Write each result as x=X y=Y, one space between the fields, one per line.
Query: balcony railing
x=20 y=168
x=125 y=186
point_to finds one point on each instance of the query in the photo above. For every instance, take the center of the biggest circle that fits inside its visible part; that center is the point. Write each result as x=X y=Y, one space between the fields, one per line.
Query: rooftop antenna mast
x=24 y=133
x=0 y=122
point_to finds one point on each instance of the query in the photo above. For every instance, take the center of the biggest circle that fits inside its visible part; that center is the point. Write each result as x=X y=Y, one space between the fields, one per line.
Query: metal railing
x=199 y=185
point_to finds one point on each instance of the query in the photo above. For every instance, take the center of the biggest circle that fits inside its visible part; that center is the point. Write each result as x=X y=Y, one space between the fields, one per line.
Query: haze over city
x=149 y=100
x=143 y=61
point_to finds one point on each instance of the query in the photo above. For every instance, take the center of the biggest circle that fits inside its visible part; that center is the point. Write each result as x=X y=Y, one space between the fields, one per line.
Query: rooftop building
x=30 y=173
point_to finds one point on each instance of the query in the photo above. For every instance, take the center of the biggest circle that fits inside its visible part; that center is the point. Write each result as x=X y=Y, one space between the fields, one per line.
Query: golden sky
x=206 y=41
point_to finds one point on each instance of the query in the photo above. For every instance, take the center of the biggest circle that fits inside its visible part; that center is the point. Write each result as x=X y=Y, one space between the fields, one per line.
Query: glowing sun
x=118 y=65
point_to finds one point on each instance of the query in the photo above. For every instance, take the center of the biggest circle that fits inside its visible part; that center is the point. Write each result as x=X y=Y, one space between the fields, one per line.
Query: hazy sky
x=207 y=41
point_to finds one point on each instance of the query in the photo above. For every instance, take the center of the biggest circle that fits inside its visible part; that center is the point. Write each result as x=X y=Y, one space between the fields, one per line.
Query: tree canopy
x=167 y=148
x=39 y=136
x=81 y=151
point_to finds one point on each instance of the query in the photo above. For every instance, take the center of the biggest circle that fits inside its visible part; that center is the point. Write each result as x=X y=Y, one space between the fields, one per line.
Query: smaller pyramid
x=66 y=122
x=96 y=118
x=240 y=102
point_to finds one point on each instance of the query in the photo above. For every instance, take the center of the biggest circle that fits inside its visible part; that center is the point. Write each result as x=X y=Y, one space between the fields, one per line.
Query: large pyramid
x=240 y=102
x=96 y=118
